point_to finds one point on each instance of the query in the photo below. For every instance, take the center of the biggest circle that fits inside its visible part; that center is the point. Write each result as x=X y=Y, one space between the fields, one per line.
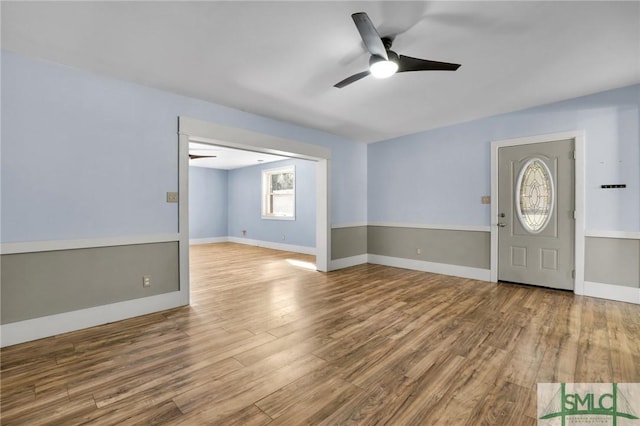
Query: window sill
x=278 y=218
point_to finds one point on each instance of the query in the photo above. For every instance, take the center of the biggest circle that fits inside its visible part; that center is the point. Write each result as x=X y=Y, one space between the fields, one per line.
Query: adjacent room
x=251 y=198
x=349 y=212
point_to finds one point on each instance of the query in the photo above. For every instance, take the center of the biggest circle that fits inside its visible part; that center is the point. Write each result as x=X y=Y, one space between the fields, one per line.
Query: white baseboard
x=346 y=262
x=436 y=268
x=210 y=240
x=612 y=292
x=275 y=246
x=258 y=243
x=38 y=328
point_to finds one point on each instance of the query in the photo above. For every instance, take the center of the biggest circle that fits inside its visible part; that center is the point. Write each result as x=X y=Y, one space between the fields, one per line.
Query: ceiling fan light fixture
x=382 y=68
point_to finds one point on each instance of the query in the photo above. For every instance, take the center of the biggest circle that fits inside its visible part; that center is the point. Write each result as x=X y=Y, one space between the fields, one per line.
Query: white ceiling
x=281 y=59
x=228 y=158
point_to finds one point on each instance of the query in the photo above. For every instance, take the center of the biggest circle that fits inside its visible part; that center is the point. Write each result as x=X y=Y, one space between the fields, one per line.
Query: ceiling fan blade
x=352 y=79
x=369 y=35
x=407 y=63
x=195 y=157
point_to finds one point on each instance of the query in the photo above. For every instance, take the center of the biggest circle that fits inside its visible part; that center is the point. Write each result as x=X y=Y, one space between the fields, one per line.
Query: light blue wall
x=207 y=202
x=245 y=210
x=86 y=156
x=83 y=156
x=223 y=203
x=437 y=177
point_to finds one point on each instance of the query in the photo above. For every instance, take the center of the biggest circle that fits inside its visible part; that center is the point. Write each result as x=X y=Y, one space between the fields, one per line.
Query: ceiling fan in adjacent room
x=195 y=157
x=200 y=150
x=384 y=62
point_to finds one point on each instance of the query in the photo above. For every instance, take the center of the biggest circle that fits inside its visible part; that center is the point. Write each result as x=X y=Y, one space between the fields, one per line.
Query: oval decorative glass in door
x=534 y=195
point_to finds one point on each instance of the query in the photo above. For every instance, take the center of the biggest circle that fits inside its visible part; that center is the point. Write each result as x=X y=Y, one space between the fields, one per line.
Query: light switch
x=172 y=197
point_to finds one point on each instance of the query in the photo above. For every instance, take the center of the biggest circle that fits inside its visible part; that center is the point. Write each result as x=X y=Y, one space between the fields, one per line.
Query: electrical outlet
x=284 y=237
x=172 y=197
x=485 y=199
x=418 y=251
x=146 y=281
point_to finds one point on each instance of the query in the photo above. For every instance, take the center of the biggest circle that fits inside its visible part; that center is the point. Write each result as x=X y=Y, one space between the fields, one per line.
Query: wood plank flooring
x=266 y=341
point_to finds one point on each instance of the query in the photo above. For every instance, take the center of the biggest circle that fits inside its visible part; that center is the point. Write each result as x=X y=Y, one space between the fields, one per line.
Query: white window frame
x=266 y=191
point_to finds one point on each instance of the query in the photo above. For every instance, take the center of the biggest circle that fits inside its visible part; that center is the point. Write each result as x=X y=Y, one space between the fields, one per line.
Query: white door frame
x=578 y=137
x=192 y=130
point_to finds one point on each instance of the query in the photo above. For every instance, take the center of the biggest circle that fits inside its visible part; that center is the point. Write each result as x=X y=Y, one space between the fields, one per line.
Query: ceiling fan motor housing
x=393 y=56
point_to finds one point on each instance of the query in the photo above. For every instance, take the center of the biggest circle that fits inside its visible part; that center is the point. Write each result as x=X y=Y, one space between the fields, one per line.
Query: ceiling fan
x=384 y=62
x=199 y=150
x=195 y=157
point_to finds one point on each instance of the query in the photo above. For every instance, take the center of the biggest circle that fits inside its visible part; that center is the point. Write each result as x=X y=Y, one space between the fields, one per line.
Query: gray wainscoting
x=52 y=282
x=347 y=242
x=462 y=248
x=612 y=261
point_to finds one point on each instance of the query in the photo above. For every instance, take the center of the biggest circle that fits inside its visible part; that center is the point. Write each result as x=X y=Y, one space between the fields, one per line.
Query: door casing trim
x=579 y=139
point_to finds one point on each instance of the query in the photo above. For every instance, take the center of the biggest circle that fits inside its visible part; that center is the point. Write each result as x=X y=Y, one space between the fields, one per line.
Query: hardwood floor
x=266 y=341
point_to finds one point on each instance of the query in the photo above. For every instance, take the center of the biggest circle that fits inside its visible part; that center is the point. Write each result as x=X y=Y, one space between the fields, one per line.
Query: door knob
x=501 y=225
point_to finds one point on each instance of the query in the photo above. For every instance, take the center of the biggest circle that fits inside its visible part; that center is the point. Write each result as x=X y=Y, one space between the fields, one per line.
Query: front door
x=536 y=214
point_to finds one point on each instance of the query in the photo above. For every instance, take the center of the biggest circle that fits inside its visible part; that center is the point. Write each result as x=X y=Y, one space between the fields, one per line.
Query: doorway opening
x=192 y=130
